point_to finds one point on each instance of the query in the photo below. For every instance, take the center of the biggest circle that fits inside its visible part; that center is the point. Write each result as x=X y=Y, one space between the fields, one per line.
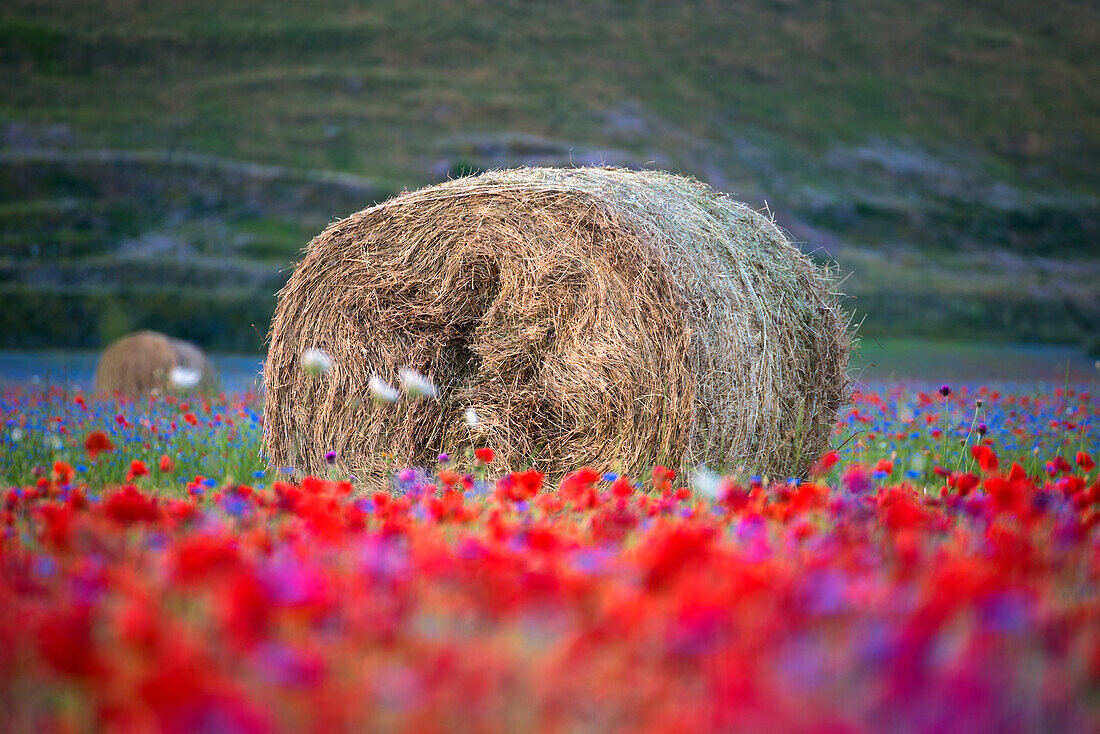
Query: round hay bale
x=142 y=362
x=603 y=317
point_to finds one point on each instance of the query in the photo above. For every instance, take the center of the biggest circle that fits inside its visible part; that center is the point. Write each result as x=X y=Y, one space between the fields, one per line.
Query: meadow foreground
x=938 y=572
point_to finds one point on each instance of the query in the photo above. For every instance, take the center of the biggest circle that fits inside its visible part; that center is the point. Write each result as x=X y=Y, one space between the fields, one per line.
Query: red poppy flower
x=1008 y=495
x=521 y=485
x=484 y=455
x=199 y=556
x=128 y=505
x=1085 y=461
x=63 y=473
x=578 y=488
x=166 y=464
x=64 y=639
x=137 y=469
x=662 y=478
x=59 y=524
x=576 y=482
x=902 y=510
x=987 y=460
x=96 y=443
x=1058 y=465
x=824 y=464
x=622 y=487
x=671 y=551
x=965 y=483
x=809 y=496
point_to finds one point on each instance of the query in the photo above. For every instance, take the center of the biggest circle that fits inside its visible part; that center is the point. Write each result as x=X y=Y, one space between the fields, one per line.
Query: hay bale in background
x=141 y=362
x=601 y=317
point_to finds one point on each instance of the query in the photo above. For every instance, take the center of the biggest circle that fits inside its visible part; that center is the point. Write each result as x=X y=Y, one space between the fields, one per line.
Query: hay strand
x=143 y=362
x=602 y=317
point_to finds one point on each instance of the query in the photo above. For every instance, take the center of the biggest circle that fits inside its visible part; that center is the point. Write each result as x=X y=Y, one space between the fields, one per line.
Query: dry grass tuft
x=142 y=362
x=602 y=317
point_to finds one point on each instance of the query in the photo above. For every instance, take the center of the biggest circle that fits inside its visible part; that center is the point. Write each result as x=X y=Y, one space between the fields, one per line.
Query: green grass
x=878 y=359
x=934 y=132
x=231 y=319
x=257 y=80
x=271 y=240
x=896 y=428
x=223 y=454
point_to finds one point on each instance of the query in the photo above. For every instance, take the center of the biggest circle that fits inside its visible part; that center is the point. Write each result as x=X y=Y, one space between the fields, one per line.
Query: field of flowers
x=939 y=571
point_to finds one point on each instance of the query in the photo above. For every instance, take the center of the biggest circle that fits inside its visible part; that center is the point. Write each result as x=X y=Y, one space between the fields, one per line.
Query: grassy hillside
x=958 y=139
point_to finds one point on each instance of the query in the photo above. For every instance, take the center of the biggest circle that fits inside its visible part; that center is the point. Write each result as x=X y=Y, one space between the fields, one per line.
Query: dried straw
x=592 y=316
x=141 y=362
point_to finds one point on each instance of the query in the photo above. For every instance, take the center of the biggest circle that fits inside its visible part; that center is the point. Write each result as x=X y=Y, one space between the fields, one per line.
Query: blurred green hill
x=162 y=163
